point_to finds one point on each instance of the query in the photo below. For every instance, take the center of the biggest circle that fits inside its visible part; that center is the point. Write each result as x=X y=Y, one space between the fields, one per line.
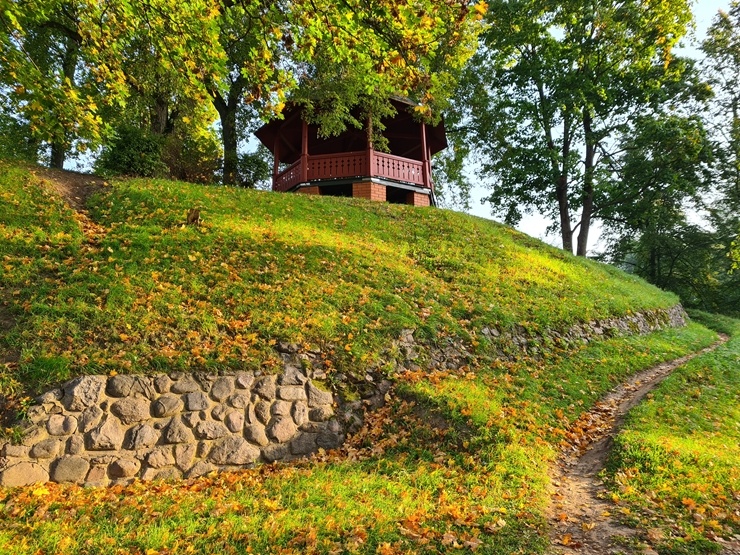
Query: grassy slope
x=676 y=465
x=325 y=272
x=145 y=293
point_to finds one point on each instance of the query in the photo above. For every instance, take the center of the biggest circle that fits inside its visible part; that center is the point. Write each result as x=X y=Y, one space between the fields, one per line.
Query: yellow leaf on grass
x=40 y=491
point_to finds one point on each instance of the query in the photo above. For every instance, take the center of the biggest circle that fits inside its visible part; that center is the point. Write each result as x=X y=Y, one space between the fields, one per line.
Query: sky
x=535 y=225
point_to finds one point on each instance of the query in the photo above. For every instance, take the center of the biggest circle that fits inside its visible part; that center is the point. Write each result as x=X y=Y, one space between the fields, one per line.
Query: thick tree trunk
x=69 y=64
x=227 y=110
x=588 y=186
x=229 y=138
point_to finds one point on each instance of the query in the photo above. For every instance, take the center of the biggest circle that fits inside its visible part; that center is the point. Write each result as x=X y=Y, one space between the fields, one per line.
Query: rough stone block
x=141 y=437
x=46 y=449
x=234 y=421
x=281 y=408
x=239 y=401
x=196 y=400
x=50 y=396
x=160 y=457
x=244 y=380
x=177 y=432
x=124 y=468
x=303 y=444
x=276 y=452
x=166 y=405
x=210 y=430
x=108 y=436
x=265 y=387
x=299 y=413
x=222 y=388
x=23 y=474
x=219 y=412
x=184 y=453
x=60 y=425
x=83 y=392
x=233 y=450
x=281 y=428
x=329 y=440
x=192 y=418
x=321 y=414
x=256 y=434
x=292 y=393
x=89 y=419
x=75 y=445
x=293 y=375
x=201 y=468
x=318 y=397
x=15 y=451
x=98 y=475
x=70 y=469
x=119 y=386
x=185 y=385
x=131 y=409
x=262 y=411
x=162 y=383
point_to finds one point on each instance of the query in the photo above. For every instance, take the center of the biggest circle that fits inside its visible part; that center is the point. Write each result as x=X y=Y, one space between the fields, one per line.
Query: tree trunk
x=566 y=233
x=588 y=185
x=229 y=138
x=227 y=110
x=69 y=64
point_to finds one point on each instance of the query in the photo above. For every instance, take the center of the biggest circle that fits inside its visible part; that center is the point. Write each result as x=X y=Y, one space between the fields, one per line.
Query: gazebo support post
x=424 y=156
x=276 y=163
x=304 y=151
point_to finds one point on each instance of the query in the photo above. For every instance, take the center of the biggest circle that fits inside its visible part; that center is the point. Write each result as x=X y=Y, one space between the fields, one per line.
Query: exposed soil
x=73 y=187
x=583 y=521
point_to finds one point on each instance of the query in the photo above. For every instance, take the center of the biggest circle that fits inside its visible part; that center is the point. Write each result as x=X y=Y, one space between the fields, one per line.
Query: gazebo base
x=371 y=189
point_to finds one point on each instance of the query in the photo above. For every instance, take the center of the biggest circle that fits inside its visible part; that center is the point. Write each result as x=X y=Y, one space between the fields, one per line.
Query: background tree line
x=581 y=111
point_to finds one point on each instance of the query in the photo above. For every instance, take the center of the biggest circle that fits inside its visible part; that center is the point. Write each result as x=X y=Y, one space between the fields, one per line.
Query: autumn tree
x=551 y=86
x=251 y=53
x=42 y=66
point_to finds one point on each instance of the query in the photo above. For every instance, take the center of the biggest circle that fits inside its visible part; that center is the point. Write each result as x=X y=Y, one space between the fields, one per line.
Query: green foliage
x=133 y=152
x=191 y=157
x=255 y=169
x=675 y=463
x=551 y=86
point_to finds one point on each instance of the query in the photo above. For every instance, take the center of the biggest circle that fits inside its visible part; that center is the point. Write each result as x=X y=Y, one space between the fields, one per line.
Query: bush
x=196 y=159
x=133 y=152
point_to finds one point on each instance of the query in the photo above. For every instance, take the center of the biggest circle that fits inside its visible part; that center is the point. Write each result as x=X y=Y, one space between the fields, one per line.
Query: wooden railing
x=352 y=164
x=398 y=169
x=288 y=178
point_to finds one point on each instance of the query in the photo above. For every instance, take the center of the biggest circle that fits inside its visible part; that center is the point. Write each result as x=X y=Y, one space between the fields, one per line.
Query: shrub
x=134 y=152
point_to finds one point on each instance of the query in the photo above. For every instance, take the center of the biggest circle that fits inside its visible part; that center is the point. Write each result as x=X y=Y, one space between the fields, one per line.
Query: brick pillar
x=313 y=190
x=417 y=199
x=369 y=190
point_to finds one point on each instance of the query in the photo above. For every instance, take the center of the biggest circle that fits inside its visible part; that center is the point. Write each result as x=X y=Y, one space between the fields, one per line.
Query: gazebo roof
x=402 y=133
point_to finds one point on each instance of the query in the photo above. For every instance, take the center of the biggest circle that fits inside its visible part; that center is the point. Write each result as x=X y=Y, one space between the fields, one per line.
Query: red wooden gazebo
x=349 y=165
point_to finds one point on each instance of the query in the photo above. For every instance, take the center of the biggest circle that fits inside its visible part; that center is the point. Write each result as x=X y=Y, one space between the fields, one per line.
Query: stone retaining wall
x=99 y=430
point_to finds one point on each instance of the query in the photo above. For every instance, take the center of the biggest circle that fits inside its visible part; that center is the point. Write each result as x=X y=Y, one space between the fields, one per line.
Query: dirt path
x=582 y=522
x=73 y=187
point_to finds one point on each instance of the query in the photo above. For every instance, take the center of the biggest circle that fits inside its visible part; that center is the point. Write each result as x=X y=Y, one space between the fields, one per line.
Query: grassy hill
x=135 y=290
x=457 y=460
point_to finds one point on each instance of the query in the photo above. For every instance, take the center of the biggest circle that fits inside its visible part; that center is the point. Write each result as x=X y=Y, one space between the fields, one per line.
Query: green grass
x=456 y=461
x=676 y=465
x=140 y=292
